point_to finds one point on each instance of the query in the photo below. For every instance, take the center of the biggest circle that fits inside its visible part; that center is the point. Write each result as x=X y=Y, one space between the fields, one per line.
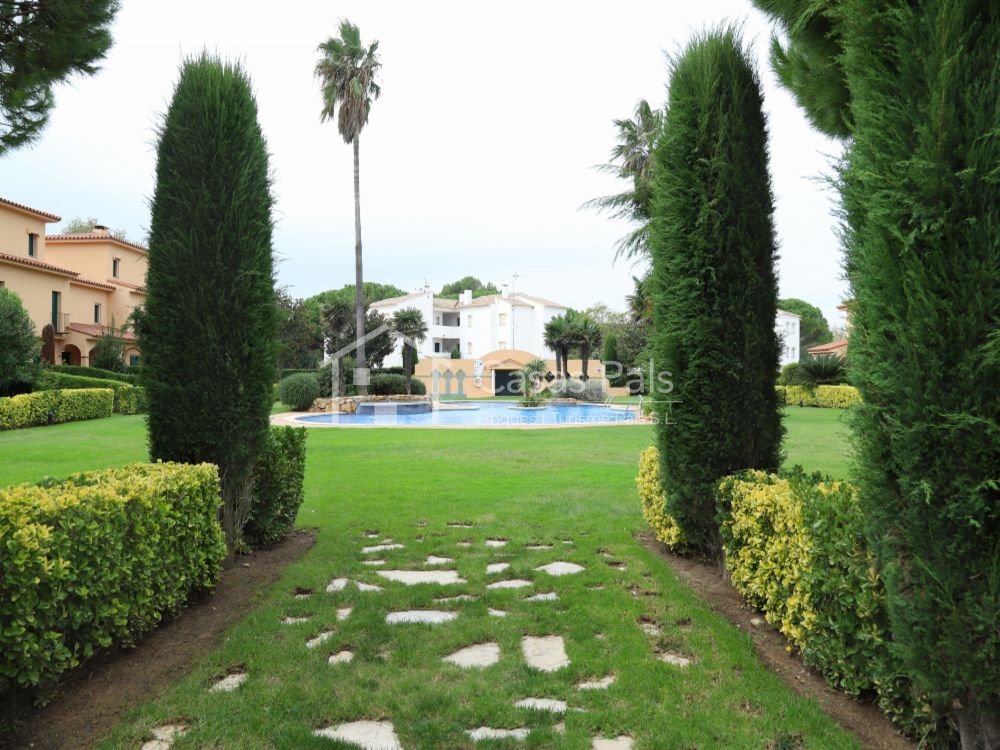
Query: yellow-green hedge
x=654 y=501
x=98 y=559
x=30 y=409
x=795 y=548
x=825 y=396
x=129 y=399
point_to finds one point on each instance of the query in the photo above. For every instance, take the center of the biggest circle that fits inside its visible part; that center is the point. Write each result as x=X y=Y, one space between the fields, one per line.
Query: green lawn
x=532 y=486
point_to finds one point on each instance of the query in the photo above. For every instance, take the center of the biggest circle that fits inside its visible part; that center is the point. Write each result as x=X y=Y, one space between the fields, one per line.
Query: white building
x=786 y=325
x=476 y=326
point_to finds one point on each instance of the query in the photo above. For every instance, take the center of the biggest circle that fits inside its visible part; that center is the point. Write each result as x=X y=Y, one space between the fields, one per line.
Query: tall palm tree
x=555 y=333
x=347 y=70
x=409 y=323
x=630 y=160
x=337 y=325
x=587 y=336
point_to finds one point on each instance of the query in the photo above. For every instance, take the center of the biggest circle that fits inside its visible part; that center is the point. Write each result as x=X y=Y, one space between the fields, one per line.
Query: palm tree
x=347 y=70
x=531 y=375
x=630 y=160
x=409 y=324
x=337 y=325
x=555 y=333
x=587 y=337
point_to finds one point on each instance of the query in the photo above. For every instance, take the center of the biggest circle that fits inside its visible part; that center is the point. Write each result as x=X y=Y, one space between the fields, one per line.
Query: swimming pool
x=481 y=414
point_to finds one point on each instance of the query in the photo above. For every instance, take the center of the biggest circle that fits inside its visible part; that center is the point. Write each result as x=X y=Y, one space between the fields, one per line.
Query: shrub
x=277 y=487
x=109 y=349
x=299 y=391
x=456 y=353
x=32 y=409
x=19 y=348
x=98 y=559
x=790 y=374
x=795 y=548
x=714 y=288
x=284 y=373
x=583 y=390
x=395 y=385
x=654 y=501
x=824 y=396
x=208 y=333
x=94 y=372
x=129 y=399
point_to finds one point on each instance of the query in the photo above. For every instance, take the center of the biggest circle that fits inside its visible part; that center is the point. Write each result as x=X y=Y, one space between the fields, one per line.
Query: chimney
x=101 y=230
x=467 y=297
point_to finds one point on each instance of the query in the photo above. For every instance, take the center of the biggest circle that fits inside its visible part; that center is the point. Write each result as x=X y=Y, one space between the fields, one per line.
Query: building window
x=97 y=313
x=469 y=319
x=468 y=347
x=502 y=320
x=437 y=320
x=2 y=285
x=437 y=347
x=32 y=245
x=56 y=309
x=503 y=345
x=133 y=359
x=115 y=266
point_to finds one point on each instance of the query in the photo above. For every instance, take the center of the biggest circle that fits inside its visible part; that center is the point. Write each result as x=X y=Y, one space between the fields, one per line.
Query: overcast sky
x=476 y=158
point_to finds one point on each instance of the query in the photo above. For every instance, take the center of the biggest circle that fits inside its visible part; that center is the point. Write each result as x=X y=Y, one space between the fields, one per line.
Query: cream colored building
x=77 y=283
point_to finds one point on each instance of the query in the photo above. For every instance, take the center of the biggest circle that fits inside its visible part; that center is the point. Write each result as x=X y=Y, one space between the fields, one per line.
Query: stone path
x=541 y=652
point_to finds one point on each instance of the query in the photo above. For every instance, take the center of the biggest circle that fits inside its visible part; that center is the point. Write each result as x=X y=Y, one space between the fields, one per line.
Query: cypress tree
x=921 y=192
x=714 y=286
x=208 y=334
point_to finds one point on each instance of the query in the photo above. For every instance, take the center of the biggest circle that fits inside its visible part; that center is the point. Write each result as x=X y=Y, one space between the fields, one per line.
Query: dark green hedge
x=93 y=372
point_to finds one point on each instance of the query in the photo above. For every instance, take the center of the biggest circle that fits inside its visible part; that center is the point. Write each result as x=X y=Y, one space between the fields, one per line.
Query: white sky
x=475 y=161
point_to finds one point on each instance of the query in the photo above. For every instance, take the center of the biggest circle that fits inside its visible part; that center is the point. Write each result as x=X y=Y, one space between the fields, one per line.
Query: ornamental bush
x=94 y=372
x=129 y=399
x=33 y=409
x=654 y=501
x=299 y=391
x=823 y=396
x=99 y=559
x=19 y=347
x=277 y=487
x=795 y=548
x=714 y=288
x=590 y=391
x=395 y=385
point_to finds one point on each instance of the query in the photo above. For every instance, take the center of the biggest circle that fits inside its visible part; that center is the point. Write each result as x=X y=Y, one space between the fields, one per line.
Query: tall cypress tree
x=922 y=199
x=208 y=334
x=714 y=287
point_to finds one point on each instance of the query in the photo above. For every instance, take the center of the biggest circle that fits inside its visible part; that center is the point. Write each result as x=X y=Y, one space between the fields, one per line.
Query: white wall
x=786 y=325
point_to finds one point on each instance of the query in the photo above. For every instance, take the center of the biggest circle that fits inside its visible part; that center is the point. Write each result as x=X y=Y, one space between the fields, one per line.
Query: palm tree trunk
x=361 y=361
x=340 y=376
x=584 y=360
x=408 y=367
x=565 y=359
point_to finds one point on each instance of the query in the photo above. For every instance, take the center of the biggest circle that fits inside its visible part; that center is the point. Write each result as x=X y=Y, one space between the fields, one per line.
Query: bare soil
x=95 y=696
x=864 y=720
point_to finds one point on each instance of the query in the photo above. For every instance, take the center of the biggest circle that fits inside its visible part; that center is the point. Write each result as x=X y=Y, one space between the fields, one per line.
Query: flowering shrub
x=98 y=559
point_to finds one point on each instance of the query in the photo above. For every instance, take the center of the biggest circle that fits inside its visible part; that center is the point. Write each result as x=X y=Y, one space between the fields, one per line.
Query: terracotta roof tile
x=94 y=237
x=37 y=264
x=88 y=282
x=128 y=285
x=28 y=209
x=95 y=330
x=825 y=348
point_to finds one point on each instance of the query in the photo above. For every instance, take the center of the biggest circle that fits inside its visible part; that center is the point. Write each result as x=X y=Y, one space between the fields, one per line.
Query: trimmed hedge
x=824 y=396
x=129 y=399
x=98 y=559
x=654 y=500
x=394 y=385
x=795 y=548
x=277 y=486
x=32 y=409
x=93 y=372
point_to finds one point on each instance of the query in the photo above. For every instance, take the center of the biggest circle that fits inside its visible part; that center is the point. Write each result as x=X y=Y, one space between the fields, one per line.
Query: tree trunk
x=565 y=359
x=584 y=360
x=558 y=365
x=361 y=362
x=407 y=367
x=340 y=376
x=978 y=730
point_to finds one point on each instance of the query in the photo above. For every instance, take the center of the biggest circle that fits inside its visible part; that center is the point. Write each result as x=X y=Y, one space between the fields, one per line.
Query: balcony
x=60 y=322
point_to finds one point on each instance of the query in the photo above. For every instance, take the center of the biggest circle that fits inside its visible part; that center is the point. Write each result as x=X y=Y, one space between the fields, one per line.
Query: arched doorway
x=90 y=356
x=70 y=355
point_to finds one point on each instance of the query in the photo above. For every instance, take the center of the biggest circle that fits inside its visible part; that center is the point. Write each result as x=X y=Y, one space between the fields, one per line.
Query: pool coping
x=291 y=419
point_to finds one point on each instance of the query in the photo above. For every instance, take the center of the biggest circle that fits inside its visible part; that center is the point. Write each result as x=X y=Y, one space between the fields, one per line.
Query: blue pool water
x=481 y=414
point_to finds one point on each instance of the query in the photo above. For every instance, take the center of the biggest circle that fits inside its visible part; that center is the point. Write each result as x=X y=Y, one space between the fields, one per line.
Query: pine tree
x=714 y=287
x=922 y=200
x=208 y=335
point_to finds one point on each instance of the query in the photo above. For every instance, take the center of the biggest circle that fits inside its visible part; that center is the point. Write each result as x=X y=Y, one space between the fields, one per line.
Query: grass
x=526 y=486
